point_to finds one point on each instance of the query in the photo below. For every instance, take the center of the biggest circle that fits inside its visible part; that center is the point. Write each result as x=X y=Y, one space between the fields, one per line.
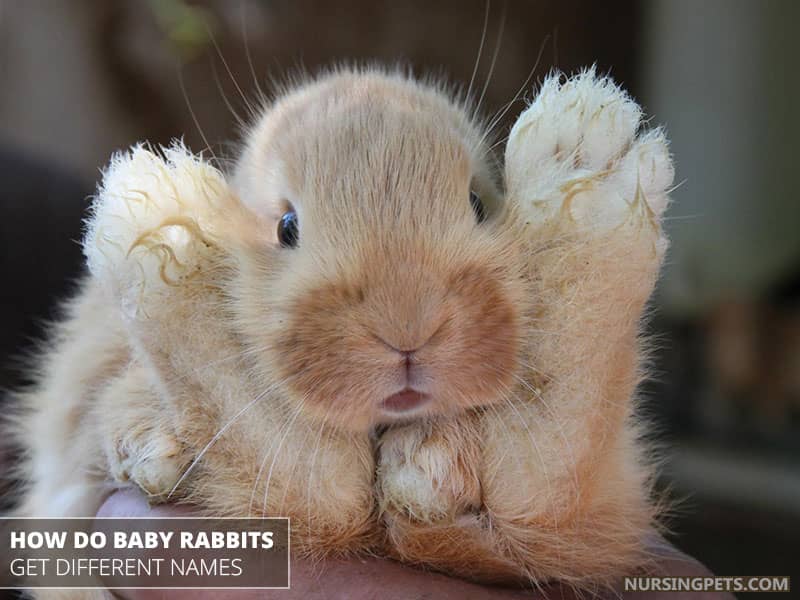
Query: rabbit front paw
x=150 y=459
x=141 y=447
x=426 y=472
x=577 y=159
x=154 y=224
x=430 y=500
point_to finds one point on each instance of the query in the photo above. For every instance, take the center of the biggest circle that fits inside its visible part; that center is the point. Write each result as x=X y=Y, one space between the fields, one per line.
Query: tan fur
x=202 y=362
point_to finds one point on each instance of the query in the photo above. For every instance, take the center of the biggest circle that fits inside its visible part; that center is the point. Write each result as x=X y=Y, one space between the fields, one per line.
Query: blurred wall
x=82 y=78
x=722 y=76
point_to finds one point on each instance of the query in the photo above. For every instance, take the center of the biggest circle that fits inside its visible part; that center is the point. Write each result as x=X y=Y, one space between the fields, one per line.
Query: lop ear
x=160 y=216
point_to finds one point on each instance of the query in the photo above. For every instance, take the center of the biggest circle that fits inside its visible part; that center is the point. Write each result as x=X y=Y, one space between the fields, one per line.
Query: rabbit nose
x=411 y=339
x=403 y=350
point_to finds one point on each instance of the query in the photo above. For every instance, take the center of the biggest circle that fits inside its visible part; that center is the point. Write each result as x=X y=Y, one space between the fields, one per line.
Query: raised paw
x=155 y=222
x=576 y=156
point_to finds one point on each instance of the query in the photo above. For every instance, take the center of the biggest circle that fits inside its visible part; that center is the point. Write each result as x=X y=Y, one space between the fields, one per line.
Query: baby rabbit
x=362 y=329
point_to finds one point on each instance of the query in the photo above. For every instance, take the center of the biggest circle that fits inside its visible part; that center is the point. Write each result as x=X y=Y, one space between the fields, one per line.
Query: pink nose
x=405 y=401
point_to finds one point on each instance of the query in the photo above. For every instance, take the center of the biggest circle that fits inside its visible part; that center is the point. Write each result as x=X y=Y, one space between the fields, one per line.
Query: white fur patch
x=575 y=152
x=152 y=219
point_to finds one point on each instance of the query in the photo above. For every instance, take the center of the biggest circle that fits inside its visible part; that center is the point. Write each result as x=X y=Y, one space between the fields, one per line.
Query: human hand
x=371 y=578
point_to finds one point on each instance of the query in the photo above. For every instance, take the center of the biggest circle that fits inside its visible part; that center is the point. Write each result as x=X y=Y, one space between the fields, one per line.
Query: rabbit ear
x=158 y=216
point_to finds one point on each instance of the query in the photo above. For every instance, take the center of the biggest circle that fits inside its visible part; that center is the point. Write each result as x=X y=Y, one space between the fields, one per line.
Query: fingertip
x=127 y=503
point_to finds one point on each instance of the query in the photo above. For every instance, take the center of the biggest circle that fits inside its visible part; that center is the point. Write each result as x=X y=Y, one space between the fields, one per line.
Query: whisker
x=224 y=97
x=498 y=415
x=278 y=451
x=572 y=464
x=322 y=428
x=498 y=118
x=192 y=113
x=545 y=471
x=218 y=435
x=247 y=104
x=242 y=354
x=494 y=58
x=296 y=464
x=267 y=454
x=480 y=49
x=261 y=96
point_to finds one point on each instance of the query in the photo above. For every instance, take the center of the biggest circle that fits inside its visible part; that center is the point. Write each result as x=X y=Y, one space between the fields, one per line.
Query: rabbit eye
x=477 y=206
x=288 y=232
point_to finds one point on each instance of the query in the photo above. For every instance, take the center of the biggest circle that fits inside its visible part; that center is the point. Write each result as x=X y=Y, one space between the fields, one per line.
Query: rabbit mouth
x=405 y=403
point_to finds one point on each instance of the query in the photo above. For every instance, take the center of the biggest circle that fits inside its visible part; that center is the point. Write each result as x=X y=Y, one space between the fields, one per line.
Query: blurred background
x=81 y=78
